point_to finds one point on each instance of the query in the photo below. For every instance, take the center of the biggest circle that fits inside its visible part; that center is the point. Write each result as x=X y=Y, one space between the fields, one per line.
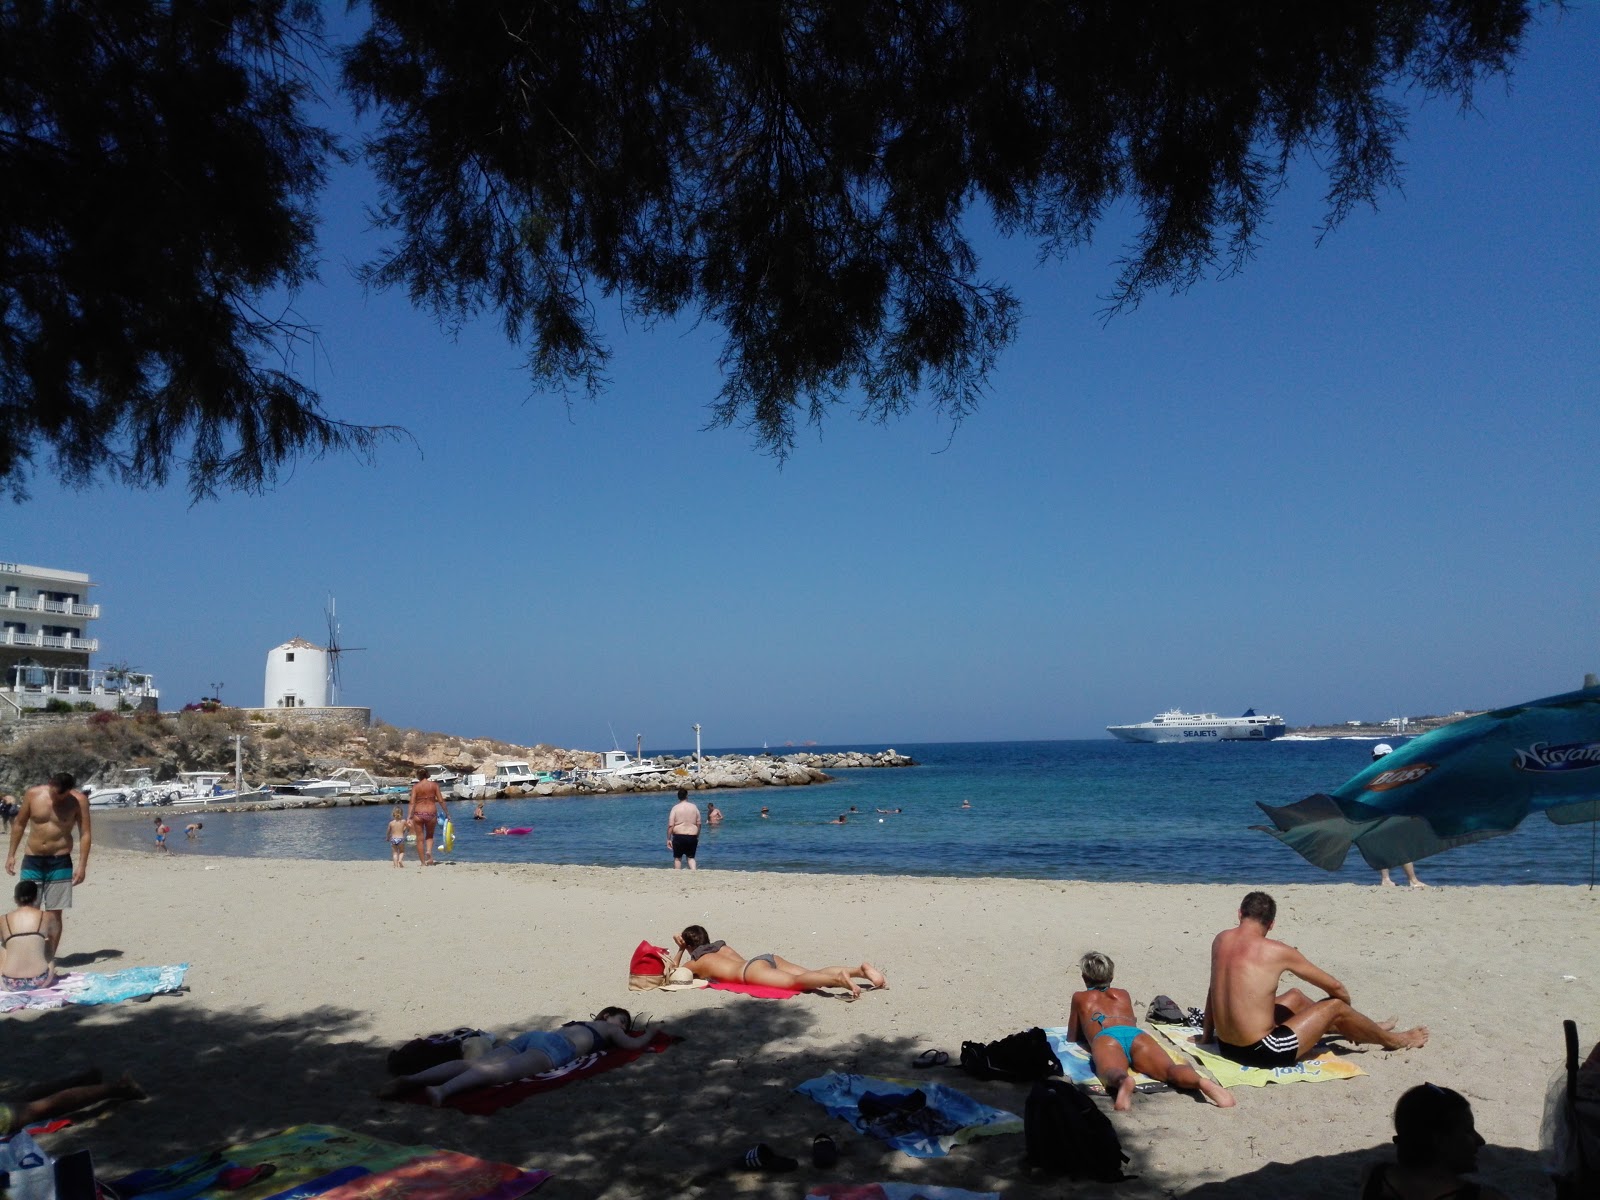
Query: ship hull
x=1222 y=731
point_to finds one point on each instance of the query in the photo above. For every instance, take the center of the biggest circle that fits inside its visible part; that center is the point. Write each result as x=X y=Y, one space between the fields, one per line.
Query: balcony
x=47 y=641
x=11 y=601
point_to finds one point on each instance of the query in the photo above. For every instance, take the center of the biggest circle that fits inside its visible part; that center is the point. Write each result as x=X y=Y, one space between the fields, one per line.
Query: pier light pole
x=638 y=747
x=696 y=729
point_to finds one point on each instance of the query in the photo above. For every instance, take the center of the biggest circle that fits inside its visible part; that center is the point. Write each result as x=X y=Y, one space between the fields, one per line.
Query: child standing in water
x=397 y=835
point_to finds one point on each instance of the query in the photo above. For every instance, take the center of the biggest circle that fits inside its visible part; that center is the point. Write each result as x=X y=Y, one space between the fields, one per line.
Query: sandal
x=824 y=1152
x=931 y=1058
x=763 y=1157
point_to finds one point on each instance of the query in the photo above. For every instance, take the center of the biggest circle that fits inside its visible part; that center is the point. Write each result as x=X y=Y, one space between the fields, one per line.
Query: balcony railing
x=64 y=608
x=50 y=641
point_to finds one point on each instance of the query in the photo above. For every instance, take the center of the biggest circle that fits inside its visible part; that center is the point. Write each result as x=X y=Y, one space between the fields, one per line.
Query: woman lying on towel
x=720 y=961
x=24 y=960
x=527 y=1054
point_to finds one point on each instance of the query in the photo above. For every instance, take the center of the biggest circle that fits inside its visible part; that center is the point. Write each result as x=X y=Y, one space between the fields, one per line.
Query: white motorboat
x=1177 y=726
x=512 y=773
x=615 y=764
x=442 y=775
x=207 y=787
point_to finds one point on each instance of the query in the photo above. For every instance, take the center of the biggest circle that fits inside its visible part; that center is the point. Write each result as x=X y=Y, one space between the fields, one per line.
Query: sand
x=305 y=973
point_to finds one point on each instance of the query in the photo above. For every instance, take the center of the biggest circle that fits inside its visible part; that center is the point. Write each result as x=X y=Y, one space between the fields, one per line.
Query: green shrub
x=88 y=706
x=57 y=705
x=272 y=732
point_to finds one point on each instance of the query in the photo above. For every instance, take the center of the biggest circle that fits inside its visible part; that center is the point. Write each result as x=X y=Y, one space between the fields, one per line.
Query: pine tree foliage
x=157 y=190
x=804 y=173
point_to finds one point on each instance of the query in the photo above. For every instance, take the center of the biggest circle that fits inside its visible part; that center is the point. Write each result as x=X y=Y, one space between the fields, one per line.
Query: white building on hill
x=297 y=676
x=45 y=645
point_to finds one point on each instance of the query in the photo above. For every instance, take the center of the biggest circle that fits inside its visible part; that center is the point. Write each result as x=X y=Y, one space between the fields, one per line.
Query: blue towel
x=135 y=981
x=841 y=1096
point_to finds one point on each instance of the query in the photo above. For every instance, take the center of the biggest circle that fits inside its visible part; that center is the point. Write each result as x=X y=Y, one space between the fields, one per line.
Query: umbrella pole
x=1592 y=827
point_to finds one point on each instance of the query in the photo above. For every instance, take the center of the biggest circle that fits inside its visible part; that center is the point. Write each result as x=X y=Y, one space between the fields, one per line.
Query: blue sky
x=1355 y=481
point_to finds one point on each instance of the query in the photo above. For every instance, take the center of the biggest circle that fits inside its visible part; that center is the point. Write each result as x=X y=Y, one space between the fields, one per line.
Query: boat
x=1175 y=725
x=512 y=773
x=442 y=775
x=615 y=764
x=207 y=787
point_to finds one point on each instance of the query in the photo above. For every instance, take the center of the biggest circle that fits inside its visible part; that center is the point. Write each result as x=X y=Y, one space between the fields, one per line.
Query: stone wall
x=352 y=718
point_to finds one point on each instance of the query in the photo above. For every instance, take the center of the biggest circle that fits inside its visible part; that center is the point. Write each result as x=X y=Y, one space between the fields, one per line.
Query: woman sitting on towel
x=1435 y=1143
x=527 y=1054
x=720 y=961
x=24 y=960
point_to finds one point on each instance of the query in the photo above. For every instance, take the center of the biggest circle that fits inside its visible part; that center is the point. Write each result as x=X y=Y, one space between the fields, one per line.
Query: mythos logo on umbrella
x=1575 y=756
x=1399 y=777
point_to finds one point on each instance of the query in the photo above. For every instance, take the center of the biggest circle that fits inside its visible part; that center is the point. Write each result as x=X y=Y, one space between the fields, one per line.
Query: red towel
x=755 y=989
x=484 y=1101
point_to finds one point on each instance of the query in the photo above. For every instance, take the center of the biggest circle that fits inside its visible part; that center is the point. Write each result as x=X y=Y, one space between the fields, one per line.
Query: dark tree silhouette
x=157 y=189
x=805 y=175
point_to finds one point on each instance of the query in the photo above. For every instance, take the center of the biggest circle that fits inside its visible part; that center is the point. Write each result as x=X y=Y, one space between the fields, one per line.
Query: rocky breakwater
x=715 y=771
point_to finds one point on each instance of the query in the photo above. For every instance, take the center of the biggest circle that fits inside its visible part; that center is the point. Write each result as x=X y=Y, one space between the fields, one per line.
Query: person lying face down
x=527 y=1054
x=720 y=961
x=1102 y=1019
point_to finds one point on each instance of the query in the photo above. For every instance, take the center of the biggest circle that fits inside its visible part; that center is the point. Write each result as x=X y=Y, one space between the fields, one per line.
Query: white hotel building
x=46 y=643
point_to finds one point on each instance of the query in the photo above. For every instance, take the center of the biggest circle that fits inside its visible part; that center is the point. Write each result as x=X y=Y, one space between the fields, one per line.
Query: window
x=289 y=657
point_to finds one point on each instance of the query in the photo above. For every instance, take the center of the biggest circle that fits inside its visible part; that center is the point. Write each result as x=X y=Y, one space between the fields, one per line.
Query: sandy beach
x=303 y=974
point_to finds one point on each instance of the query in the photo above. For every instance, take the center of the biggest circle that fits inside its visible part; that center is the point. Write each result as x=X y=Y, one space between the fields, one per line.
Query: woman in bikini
x=527 y=1054
x=1102 y=1019
x=24 y=959
x=720 y=961
x=1435 y=1143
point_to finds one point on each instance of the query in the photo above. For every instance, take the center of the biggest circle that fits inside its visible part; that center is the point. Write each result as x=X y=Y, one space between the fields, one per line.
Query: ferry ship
x=1176 y=726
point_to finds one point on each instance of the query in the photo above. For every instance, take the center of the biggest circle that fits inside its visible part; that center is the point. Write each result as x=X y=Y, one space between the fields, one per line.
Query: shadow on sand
x=667 y=1125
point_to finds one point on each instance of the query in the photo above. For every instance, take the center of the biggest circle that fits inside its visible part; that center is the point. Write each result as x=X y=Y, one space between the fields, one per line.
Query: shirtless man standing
x=718 y=960
x=50 y=812
x=422 y=814
x=1256 y=1028
x=683 y=830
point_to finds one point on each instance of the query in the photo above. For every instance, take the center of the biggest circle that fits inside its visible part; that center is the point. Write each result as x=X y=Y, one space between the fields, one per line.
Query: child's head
x=27 y=892
x=1433 y=1128
x=1097 y=969
x=396 y=813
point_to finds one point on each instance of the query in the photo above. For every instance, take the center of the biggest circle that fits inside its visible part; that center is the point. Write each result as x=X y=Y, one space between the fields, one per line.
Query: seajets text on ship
x=1575 y=756
x=1199 y=733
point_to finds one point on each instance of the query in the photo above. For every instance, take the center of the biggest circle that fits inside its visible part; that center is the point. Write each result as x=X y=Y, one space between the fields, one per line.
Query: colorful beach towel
x=1078 y=1067
x=1325 y=1065
x=896 y=1191
x=948 y=1118
x=107 y=988
x=333 y=1164
x=483 y=1101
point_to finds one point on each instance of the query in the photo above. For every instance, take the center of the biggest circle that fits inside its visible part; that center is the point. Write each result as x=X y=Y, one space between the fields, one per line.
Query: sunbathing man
x=1256 y=1028
x=720 y=961
x=1102 y=1019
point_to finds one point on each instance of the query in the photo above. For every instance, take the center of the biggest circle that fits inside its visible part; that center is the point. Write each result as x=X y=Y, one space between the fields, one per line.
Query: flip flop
x=824 y=1152
x=763 y=1157
x=931 y=1058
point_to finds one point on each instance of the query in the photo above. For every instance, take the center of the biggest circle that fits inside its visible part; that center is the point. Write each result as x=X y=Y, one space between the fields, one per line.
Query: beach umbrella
x=1471 y=779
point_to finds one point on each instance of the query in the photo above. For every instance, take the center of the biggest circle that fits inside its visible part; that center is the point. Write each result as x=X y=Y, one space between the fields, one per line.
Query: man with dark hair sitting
x=1254 y=1025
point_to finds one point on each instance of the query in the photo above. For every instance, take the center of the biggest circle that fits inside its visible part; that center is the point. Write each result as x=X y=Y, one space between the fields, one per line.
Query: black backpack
x=1066 y=1133
x=1021 y=1058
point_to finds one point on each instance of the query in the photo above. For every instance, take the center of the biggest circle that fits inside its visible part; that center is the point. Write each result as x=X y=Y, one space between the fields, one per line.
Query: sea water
x=1094 y=810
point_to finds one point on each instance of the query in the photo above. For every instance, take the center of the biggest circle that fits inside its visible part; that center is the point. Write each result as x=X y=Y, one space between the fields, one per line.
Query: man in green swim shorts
x=1102 y=1019
x=50 y=813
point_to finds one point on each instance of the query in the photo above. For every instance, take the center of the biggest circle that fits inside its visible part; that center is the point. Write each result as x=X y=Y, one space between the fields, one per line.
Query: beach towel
x=1320 y=1068
x=73 y=988
x=1078 y=1067
x=948 y=1118
x=754 y=989
x=896 y=1191
x=334 y=1164
x=483 y=1101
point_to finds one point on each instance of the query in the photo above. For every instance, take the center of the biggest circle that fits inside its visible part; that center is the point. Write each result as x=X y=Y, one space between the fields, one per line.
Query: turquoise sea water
x=1098 y=810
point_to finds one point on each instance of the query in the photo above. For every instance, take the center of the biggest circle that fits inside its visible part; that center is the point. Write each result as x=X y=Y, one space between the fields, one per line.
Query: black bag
x=1066 y=1133
x=421 y=1053
x=1164 y=1010
x=1022 y=1057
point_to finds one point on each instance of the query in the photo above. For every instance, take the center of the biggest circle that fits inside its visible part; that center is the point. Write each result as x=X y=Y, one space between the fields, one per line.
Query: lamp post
x=696 y=729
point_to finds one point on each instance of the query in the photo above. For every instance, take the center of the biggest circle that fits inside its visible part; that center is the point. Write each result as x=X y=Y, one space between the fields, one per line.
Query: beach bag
x=1065 y=1133
x=1164 y=1010
x=421 y=1053
x=1021 y=1057
x=647 y=968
